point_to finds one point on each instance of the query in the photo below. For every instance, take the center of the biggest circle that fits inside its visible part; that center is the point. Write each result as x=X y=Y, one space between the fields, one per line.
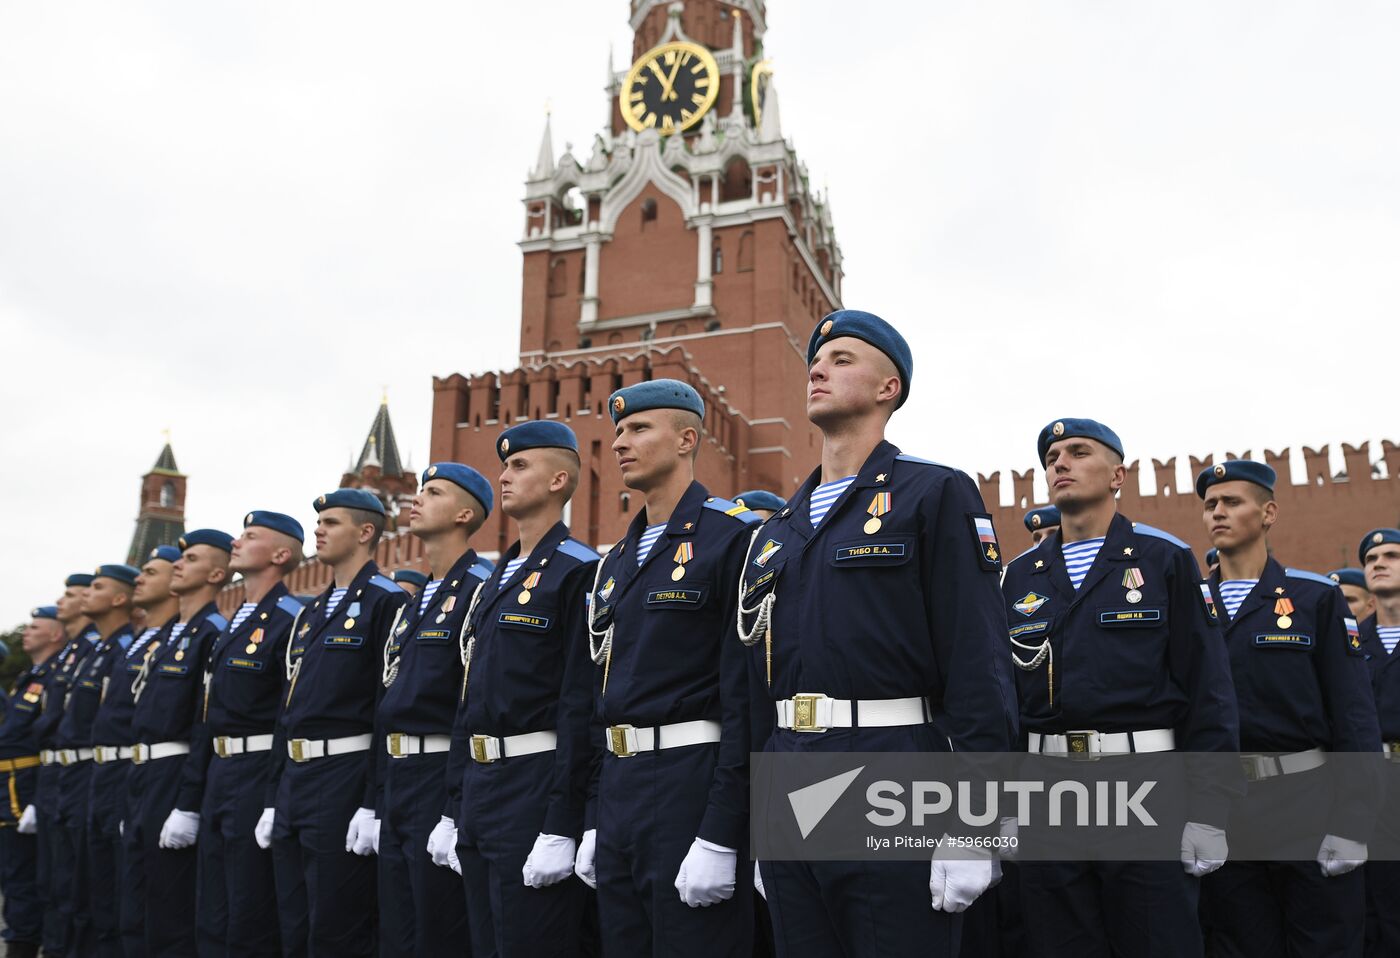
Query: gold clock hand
x=670 y=93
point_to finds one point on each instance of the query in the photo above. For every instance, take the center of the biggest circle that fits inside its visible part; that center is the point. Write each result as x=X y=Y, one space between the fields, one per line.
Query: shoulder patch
x=577 y=550
x=482 y=570
x=217 y=621
x=1310 y=576
x=385 y=583
x=289 y=605
x=730 y=508
x=985 y=537
x=1143 y=529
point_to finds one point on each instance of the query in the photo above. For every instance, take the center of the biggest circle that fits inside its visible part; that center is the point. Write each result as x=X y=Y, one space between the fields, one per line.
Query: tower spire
x=770 y=127
x=544 y=163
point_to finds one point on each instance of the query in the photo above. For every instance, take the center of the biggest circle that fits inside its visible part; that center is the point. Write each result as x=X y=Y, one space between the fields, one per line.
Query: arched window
x=717 y=259
x=558 y=281
x=746 y=251
x=167 y=495
x=738 y=181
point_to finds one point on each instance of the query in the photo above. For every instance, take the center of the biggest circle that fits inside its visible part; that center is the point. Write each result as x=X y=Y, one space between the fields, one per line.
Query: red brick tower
x=160 y=520
x=379 y=469
x=688 y=245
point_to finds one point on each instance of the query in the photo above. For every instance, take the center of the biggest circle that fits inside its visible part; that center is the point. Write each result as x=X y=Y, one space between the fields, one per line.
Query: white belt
x=102 y=754
x=814 y=712
x=141 y=754
x=400 y=745
x=1271 y=766
x=489 y=748
x=306 y=749
x=72 y=756
x=1391 y=750
x=1088 y=743
x=226 y=746
x=627 y=740
x=46 y=756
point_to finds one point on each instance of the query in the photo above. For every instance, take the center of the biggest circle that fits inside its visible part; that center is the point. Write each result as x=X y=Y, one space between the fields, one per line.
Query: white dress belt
x=142 y=753
x=402 y=745
x=102 y=754
x=1258 y=766
x=1088 y=742
x=490 y=748
x=815 y=712
x=306 y=749
x=72 y=756
x=229 y=745
x=625 y=741
x=46 y=756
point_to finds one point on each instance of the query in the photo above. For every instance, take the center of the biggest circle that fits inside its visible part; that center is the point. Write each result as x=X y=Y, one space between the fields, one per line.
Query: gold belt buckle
x=804 y=712
x=221 y=746
x=297 y=747
x=617 y=737
x=63 y=758
x=397 y=744
x=1251 y=768
x=479 y=753
x=1080 y=745
x=138 y=754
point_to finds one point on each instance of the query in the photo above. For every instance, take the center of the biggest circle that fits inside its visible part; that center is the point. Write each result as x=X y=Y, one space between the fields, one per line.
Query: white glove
x=453 y=862
x=375 y=836
x=121 y=827
x=706 y=876
x=955 y=883
x=180 y=829
x=262 y=831
x=550 y=861
x=1203 y=849
x=359 y=837
x=1337 y=856
x=758 y=882
x=28 y=821
x=584 y=866
x=442 y=842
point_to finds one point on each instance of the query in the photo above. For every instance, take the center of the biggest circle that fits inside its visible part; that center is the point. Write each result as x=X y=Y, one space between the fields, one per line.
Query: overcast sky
x=241 y=221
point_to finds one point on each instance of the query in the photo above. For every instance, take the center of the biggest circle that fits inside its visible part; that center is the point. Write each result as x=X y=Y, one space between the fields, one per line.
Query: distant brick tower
x=688 y=245
x=161 y=517
x=379 y=469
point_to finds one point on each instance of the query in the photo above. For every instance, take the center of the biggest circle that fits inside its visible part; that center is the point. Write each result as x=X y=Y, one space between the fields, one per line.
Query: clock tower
x=688 y=243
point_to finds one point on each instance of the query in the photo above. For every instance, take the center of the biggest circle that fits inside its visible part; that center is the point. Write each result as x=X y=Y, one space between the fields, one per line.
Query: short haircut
x=362 y=517
x=684 y=419
x=567 y=460
x=471 y=502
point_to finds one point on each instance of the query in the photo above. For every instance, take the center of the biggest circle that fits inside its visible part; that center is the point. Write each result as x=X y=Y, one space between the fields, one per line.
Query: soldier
x=1117 y=650
x=1353 y=586
x=760 y=502
x=324 y=781
x=520 y=746
x=19 y=763
x=70 y=609
x=421 y=910
x=410 y=580
x=839 y=671
x=1212 y=561
x=672 y=804
x=1301 y=683
x=117 y=875
x=1379 y=554
x=226 y=775
x=167 y=693
x=1040 y=523
x=107 y=602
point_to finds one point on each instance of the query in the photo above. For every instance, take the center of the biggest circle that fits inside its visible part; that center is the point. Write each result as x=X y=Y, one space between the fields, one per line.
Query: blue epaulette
x=385 y=583
x=218 y=621
x=1142 y=528
x=577 y=550
x=289 y=605
x=482 y=570
x=731 y=508
x=1310 y=576
x=905 y=457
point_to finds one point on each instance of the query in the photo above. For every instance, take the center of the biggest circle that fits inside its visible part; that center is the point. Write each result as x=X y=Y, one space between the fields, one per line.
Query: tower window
x=167 y=495
x=648 y=211
x=717 y=260
x=746 y=251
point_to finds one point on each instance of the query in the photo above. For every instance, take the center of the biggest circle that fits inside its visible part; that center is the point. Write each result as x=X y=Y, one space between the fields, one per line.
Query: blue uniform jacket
x=91 y=678
x=1385 y=679
x=909 y=609
x=530 y=670
x=19 y=737
x=172 y=689
x=112 y=726
x=674 y=656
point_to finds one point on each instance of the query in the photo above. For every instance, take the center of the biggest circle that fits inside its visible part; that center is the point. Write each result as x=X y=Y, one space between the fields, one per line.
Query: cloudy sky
x=241 y=221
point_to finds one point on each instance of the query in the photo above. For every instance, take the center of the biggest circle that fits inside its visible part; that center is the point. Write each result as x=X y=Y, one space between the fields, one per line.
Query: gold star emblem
x=826 y=327
x=1039 y=564
x=880 y=477
x=1378 y=538
x=321 y=500
x=1279 y=591
x=1127 y=550
x=505 y=445
x=1220 y=470
x=1035 y=522
x=1058 y=429
x=689 y=524
x=432 y=471
x=619 y=404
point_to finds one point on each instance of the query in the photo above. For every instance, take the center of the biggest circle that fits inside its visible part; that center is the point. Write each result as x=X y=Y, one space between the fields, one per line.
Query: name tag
x=297 y=651
x=344 y=641
x=174 y=669
x=759 y=583
x=875 y=550
x=1030 y=628
x=252 y=665
x=132 y=669
x=519 y=620
x=434 y=635
x=674 y=597
x=1288 y=640
x=1130 y=615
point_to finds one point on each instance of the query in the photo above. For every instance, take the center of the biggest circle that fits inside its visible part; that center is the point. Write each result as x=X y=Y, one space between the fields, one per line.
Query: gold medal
x=872 y=525
x=1284 y=621
x=349 y=623
x=1283 y=609
x=250 y=648
x=684 y=553
x=524 y=597
x=881 y=504
x=179 y=655
x=678 y=573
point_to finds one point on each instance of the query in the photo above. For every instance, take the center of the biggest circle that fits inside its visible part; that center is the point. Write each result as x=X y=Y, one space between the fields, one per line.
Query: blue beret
x=655 y=394
x=536 y=434
x=464 y=476
x=168 y=553
x=207 y=537
x=1246 y=470
x=1079 y=429
x=1348 y=577
x=760 y=499
x=275 y=521
x=412 y=576
x=119 y=571
x=350 y=499
x=1212 y=557
x=44 y=612
x=1043 y=518
x=869 y=328
x=1375 y=538
x=79 y=579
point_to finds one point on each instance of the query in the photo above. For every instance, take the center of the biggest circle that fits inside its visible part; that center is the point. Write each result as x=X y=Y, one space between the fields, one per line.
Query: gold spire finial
x=166 y=433
x=384 y=395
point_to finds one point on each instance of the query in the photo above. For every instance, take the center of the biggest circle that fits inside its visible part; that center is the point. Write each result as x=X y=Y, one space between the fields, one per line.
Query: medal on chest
x=880 y=505
x=531 y=580
x=1133 y=582
x=1283 y=608
x=684 y=553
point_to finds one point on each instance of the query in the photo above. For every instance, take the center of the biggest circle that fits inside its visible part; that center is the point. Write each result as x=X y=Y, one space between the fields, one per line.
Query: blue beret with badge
x=275 y=521
x=119 y=571
x=1375 y=538
x=655 y=394
x=536 y=434
x=1348 y=577
x=1043 y=518
x=1077 y=429
x=1233 y=470
x=760 y=499
x=165 y=553
x=350 y=499
x=79 y=579
x=871 y=329
x=207 y=537
x=411 y=576
x=44 y=612
x=1212 y=557
x=464 y=476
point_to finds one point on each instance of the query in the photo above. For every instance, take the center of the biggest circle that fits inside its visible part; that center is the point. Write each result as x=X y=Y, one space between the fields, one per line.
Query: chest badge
x=606 y=592
x=532 y=580
x=1029 y=603
x=1209 y=600
x=879 y=505
x=1133 y=581
x=447 y=606
x=1283 y=608
x=684 y=553
x=769 y=550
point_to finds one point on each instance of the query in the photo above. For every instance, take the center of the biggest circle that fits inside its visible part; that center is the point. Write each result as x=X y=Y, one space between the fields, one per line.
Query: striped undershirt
x=1390 y=636
x=241 y=616
x=175 y=633
x=824 y=496
x=1079 y=557
x=511 y=566
x=426 y=598
x=1234 y=592
x=141 y=643
x=333 y=601
x=648 y=540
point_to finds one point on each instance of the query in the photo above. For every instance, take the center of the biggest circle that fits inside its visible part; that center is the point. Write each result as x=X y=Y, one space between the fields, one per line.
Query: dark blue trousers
x=1103 y=909
x=19 y=862
x=106 y=808
x=325 y=895
x=159 y=921
x=503 y=808
x=1266 y=909
x=51 y=889
x=237 y=903
x=421 y=911
x=1382 y=880
x=72 y=864
x=649 y=808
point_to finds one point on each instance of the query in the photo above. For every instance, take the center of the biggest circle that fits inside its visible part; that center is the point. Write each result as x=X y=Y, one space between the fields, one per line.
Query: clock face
x=670 y=88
